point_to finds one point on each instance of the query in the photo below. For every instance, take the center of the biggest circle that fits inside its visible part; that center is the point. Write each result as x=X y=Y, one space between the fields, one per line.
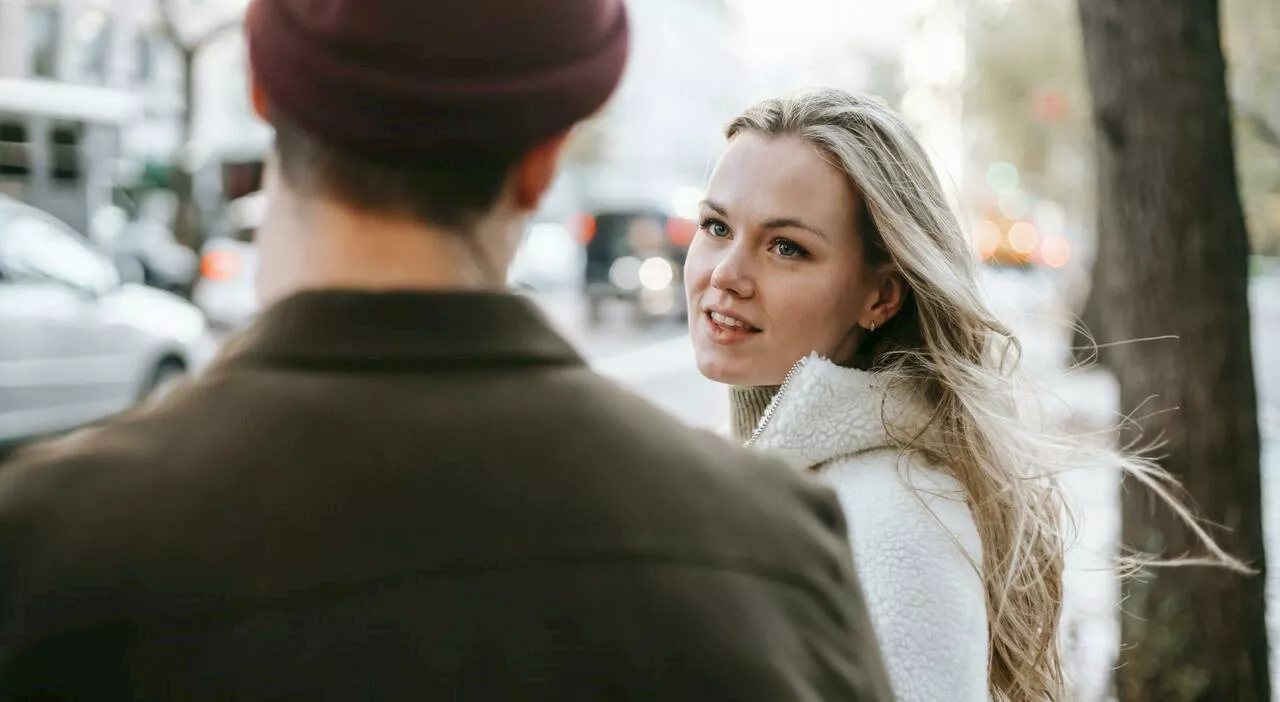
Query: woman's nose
x=733 y=274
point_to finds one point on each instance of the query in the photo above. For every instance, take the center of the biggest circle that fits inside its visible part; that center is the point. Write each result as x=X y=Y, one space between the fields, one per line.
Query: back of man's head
x=420 y=109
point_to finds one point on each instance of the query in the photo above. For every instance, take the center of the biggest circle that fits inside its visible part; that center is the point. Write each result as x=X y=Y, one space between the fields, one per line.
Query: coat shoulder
x=902 y=497
x=917 y=552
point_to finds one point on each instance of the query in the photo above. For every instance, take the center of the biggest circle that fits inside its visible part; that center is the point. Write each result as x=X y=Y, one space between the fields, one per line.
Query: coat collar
x=825 y=411
x=402 y=329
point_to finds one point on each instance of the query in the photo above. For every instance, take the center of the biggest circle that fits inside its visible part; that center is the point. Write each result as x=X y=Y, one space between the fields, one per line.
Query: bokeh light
x=655 y=273
x=1002 y=176
x=1014 y=204
x=988 y=238
x=1055 y=251
x=1024 y=237
x=1049 y=217
x=686 y=202
x=625 y=273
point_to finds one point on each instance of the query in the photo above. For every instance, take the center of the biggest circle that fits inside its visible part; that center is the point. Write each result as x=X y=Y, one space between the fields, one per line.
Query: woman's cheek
x=813 y=328
x=698 y=266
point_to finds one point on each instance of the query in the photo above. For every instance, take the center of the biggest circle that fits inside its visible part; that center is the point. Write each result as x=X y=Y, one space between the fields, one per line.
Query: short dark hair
x=450 y=192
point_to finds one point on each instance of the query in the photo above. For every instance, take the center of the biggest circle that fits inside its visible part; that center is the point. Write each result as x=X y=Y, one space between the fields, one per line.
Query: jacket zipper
x=768 y=411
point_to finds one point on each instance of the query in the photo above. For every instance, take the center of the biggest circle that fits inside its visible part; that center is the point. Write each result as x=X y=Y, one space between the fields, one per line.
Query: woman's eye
x=789 y=249
x=715 y=228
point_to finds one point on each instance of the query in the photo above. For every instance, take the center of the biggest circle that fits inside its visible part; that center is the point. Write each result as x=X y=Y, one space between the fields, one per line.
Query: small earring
x=872 y=327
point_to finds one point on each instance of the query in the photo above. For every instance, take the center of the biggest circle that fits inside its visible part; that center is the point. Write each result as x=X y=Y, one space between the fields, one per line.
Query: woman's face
x=777 y=269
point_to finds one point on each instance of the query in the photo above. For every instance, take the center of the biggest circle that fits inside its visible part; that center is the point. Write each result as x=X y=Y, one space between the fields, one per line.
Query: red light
x=586 y=228
x=221 y=265
x=680 y=232
x=1049 y=106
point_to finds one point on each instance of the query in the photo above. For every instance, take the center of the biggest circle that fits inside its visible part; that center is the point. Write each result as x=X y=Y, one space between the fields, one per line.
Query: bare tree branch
x=168 y=25
x=228 y=25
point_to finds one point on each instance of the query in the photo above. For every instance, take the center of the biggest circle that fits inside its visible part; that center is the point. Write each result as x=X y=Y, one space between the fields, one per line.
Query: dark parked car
x=636 y=257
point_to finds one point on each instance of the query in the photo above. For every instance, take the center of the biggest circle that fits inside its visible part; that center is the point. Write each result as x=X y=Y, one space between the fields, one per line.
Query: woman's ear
x=891 y=290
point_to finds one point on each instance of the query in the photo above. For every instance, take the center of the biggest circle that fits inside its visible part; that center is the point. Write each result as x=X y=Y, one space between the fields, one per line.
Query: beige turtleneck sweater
x=746 y=407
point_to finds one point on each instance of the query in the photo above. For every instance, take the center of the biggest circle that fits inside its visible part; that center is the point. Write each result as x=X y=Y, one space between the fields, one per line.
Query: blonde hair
x=948 y=346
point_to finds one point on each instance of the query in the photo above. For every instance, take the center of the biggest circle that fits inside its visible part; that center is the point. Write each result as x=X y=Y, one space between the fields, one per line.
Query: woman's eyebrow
x=716 y=207
x=793 y=222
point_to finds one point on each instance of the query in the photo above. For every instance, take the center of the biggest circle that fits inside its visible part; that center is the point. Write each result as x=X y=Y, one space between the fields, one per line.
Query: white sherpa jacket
x=915 y=545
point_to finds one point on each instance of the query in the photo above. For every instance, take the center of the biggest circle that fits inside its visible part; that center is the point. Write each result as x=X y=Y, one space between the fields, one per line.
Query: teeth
x=727 y=321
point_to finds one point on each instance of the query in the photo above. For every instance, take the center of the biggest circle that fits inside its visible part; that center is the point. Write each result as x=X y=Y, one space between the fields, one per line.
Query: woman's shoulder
x=896 y=493
x=919 y=560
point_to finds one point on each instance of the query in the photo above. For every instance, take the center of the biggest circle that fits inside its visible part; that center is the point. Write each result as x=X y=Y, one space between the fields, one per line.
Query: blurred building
x=1025 y=141
x=657 y=139
x=933 y=63
x=92 y=97
x=100 y=79
x=77 y=81
x=230 y=142
x=652 y=144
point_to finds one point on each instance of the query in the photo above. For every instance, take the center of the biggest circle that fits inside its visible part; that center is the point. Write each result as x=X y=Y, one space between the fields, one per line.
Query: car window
x=33 y=248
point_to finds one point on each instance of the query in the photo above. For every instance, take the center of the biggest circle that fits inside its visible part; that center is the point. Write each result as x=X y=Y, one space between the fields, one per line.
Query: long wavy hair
x=948 y=346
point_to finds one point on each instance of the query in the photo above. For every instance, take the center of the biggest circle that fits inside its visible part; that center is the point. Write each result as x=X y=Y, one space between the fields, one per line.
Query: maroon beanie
x=408 y=79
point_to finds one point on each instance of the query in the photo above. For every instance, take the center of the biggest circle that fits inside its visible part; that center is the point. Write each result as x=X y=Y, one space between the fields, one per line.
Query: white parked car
x=225 y=290
x=549 y=259
x=77 y=344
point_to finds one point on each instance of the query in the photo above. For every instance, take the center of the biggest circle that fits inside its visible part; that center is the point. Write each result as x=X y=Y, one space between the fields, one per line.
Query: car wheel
x=595 y=312
x=640 y=317
x=167 y=376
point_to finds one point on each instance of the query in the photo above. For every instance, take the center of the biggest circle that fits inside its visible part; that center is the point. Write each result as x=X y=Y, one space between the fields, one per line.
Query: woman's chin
x=713 y=367
x=728 y=371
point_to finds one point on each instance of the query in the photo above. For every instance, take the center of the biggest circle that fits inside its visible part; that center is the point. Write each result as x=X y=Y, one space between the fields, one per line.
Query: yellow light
x=1055 y=251
x=988 y=239
x=1023 y=237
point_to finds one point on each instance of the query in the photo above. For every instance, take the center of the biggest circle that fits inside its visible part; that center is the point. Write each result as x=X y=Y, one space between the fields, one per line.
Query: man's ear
x=533 y=175
x=258 y=98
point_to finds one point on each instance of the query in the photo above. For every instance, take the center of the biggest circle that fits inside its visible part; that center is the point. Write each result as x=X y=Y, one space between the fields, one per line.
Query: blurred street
x=655 y=360
x=132 y=196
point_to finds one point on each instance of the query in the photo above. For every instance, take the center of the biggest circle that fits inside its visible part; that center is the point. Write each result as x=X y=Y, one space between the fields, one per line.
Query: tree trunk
x=1177 y=258
x=187 y=228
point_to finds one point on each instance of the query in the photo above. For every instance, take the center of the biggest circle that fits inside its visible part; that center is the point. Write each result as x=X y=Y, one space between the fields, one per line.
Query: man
x=400 y=483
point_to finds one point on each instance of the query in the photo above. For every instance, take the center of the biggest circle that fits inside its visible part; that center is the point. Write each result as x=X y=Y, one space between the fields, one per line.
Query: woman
x=830 y=284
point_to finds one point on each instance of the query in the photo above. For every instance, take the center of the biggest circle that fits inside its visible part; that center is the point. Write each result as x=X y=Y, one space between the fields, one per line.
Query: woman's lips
x=730 y=322
x=728 y=331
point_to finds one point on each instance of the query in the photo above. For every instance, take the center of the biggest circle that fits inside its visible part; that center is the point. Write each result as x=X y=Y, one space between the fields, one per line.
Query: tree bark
x=187 y=226
x=1177 y=264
